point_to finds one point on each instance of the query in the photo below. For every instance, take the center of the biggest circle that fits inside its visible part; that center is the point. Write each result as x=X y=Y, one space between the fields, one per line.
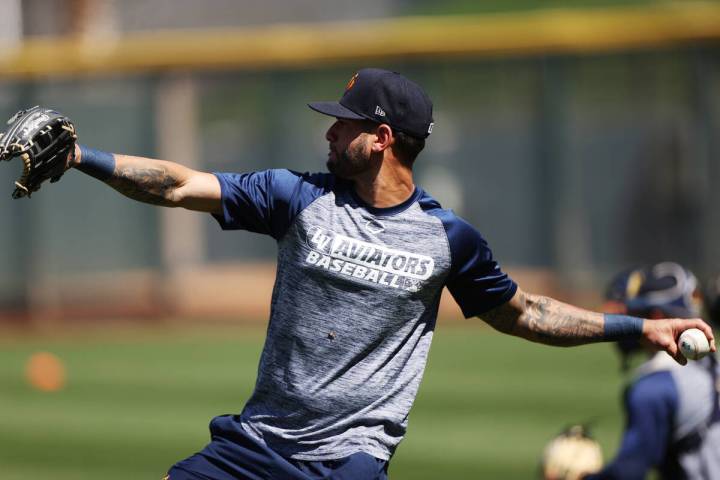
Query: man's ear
x=384 y=138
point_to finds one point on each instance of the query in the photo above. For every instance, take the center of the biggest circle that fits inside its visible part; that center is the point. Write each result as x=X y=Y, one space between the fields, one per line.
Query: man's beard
x=350 y=162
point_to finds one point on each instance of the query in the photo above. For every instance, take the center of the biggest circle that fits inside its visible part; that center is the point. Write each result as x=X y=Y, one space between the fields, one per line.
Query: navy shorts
x=234 y=455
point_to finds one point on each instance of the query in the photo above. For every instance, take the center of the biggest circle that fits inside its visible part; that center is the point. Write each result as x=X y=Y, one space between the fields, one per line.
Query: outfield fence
x=577 y=141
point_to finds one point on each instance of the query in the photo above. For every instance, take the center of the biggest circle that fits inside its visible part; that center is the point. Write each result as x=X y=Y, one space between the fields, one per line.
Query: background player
x=363 y=257
x=673 y=412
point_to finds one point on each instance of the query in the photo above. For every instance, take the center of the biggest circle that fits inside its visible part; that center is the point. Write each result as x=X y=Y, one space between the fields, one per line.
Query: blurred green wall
x=570 y=163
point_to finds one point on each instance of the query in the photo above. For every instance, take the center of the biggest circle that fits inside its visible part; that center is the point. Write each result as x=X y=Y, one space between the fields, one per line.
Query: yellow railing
x=274 y=46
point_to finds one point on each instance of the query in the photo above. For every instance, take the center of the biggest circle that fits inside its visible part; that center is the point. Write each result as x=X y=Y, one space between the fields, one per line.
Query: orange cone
x=45 y=372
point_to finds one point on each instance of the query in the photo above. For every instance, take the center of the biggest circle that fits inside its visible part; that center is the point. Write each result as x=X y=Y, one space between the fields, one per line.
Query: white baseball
x=693 y=344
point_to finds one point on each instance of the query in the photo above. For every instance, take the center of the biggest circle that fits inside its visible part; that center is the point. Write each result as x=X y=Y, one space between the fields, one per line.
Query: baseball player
x=672 y=412
x=363 y=256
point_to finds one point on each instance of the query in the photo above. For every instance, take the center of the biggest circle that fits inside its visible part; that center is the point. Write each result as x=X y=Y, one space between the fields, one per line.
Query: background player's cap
x=617 y=289
x=666 y=287
x=383 y=97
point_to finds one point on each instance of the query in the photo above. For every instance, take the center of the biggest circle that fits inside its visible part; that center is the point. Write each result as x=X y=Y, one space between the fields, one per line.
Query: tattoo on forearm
x=146 y=184
x=552 y=322
x=544 y=320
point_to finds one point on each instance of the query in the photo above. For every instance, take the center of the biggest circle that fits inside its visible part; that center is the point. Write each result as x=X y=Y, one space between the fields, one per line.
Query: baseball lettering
x=374 y=263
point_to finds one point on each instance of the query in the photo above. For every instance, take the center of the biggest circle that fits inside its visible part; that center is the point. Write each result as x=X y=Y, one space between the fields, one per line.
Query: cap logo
x=432 y=124
x=379 y=111
x=634 y=283
x=351 y=83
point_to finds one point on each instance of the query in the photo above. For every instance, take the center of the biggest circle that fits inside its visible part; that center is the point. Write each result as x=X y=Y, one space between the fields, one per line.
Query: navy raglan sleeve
x=476 y=281
x=650 y=406
x=267 y=201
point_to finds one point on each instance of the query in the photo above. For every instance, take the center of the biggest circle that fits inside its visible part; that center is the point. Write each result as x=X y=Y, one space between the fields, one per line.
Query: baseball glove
x=571 y=455
x=43 y=139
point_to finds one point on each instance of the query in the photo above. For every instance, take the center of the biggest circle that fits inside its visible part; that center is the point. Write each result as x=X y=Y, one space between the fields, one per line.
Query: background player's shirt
x=673 y=423
x=353 y=308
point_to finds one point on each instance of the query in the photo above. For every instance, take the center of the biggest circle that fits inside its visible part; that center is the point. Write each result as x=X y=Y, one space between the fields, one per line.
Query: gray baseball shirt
x=353 y=308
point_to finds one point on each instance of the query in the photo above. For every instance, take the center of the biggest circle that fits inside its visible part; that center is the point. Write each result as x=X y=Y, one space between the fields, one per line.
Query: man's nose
x=330 y=135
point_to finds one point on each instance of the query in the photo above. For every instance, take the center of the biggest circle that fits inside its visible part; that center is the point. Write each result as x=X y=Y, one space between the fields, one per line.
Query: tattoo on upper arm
x=146 y=184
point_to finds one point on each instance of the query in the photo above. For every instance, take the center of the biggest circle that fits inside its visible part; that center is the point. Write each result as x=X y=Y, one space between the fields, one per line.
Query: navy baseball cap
x=668 y=287
x=383 y=96
x=617 y=290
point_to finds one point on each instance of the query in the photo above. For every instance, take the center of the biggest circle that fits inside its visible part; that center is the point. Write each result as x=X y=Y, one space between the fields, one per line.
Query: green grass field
x=139 y=400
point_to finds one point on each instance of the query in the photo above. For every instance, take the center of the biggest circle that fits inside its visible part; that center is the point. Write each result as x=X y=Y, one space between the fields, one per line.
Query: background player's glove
x=43 y=139
x=571 y=455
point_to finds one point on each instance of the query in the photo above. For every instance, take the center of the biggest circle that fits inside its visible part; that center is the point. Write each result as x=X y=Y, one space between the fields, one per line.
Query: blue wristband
x=96 y=163
x=621 y=327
